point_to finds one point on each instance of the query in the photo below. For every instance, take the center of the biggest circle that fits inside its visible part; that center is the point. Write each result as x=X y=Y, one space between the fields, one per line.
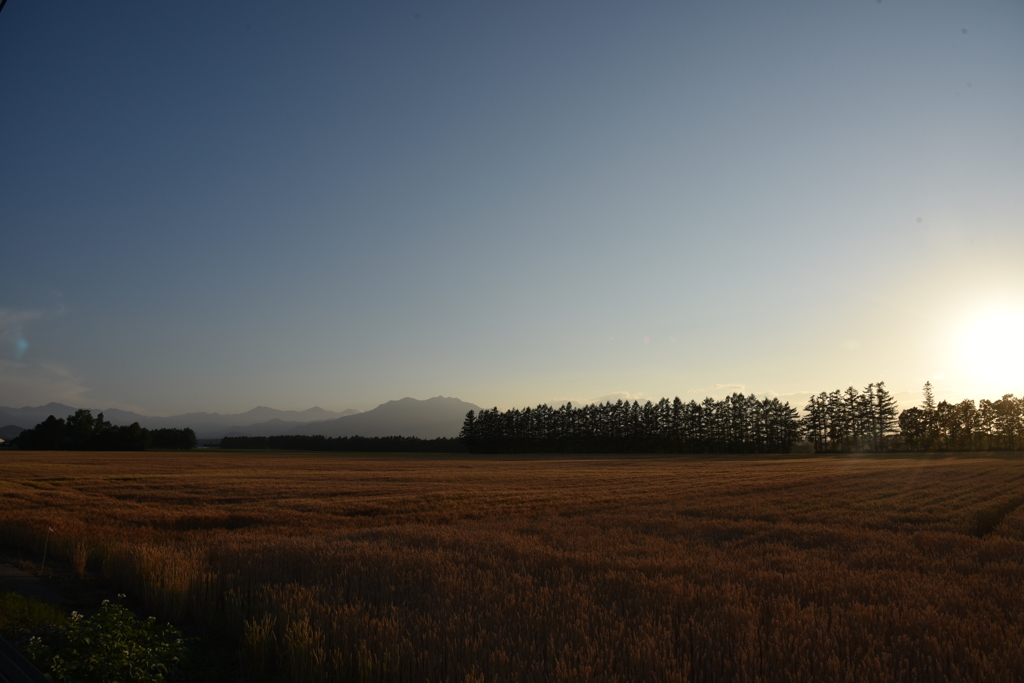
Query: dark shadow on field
x=209 y=521
x=213 y=657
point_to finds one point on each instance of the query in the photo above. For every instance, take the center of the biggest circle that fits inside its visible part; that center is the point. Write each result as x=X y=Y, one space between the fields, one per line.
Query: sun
x=993 y=347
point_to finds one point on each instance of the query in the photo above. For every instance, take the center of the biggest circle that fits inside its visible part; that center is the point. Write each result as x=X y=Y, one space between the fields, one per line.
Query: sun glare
x=993 y=348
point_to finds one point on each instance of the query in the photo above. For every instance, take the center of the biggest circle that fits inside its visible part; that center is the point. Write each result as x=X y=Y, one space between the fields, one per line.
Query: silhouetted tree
x=928 y=408
x=468 y=433
x=882 y=414
x=48 y=435
x=914 y=428
x=81 y=431
x=736 y=424
x=173 y=438
x=1008 y=420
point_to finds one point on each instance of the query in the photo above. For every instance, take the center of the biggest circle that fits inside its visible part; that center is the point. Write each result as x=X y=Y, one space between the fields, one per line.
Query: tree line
x=735 y=424
x=83 y=432
x=850 y=421
x=841 y=421
x=988 y=426
x=344 y=444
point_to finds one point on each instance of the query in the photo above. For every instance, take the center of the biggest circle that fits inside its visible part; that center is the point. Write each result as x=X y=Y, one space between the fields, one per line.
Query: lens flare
x=20 y=347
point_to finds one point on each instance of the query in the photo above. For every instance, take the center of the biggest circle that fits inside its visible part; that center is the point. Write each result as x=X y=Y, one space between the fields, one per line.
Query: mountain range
x=431 y=418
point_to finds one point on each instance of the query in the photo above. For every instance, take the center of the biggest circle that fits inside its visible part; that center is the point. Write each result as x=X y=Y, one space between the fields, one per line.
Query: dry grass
x=340 y=568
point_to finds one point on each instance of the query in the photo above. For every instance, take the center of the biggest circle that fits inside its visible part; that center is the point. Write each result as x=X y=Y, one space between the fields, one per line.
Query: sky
x=215 y=206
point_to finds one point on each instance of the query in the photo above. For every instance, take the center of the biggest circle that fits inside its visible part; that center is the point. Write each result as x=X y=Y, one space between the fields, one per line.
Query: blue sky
x=337 y=204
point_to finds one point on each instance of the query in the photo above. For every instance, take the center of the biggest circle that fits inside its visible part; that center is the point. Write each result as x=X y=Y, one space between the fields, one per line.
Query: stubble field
x=407 y=569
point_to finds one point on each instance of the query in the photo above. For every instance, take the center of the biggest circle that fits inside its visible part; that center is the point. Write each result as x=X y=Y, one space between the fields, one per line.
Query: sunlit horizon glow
x=993 y=348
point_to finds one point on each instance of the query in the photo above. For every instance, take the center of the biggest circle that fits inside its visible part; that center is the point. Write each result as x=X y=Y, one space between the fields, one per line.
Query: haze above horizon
x=331 y=205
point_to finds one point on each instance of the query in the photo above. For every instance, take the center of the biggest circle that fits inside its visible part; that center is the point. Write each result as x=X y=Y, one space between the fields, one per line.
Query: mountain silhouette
x=10 y=432
x=435 y=417
x=269 y=428
x=31 y=416
x=427 y=419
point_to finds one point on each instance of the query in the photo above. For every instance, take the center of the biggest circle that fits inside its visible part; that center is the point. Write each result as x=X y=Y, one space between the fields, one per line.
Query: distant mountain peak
x=439 y=416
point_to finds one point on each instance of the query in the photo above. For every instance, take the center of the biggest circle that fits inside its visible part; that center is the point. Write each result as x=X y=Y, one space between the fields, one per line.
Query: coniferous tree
x=928 y=397
x=884 y=414
x=468 y=434
x=815 y=423
x=928 y=408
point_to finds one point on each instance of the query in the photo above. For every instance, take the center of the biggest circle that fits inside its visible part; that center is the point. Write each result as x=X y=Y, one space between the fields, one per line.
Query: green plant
x=109 y=646
x=19 y=614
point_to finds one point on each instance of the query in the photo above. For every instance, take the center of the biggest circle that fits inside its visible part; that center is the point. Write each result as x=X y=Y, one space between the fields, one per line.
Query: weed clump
x=112 y=645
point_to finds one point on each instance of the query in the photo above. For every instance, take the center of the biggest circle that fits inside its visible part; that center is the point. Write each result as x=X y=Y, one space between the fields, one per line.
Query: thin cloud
x=31 y=384
x=13 y=321
x=13 y=324
x=35 y=382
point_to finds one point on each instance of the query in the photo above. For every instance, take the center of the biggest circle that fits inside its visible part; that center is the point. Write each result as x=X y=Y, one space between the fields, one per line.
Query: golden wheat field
x=407 y=569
